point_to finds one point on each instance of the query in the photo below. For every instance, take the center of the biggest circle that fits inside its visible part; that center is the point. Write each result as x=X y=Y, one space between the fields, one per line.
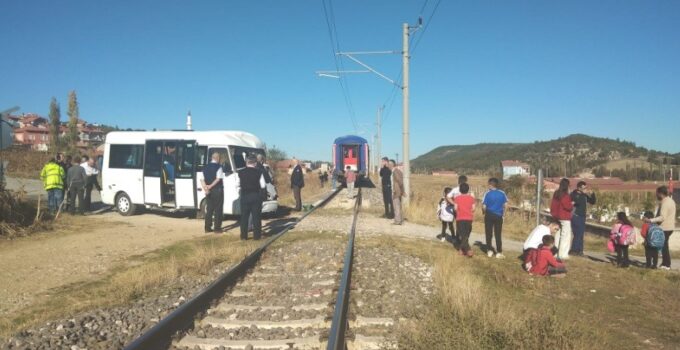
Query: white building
x=514 y=167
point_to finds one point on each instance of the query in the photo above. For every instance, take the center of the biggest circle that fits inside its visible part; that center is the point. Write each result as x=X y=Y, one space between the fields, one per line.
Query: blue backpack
x=655 y=237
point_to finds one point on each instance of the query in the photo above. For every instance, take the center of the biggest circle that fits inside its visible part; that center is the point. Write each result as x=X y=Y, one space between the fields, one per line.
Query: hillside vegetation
x=570 y=154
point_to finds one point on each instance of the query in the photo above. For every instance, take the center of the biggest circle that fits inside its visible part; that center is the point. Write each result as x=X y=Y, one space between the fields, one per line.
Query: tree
x=55 y=123
x=275 y=154
x=73 y=116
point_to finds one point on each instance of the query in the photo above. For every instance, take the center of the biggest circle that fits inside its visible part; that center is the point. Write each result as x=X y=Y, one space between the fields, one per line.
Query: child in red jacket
x=541 y=261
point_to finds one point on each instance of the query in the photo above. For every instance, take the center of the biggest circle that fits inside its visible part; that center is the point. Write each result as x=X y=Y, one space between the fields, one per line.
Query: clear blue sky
x=485 y=71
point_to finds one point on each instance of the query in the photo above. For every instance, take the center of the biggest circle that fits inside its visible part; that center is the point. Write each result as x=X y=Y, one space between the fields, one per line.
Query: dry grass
x=18 y=216
x=482 y=303
x=427 y=190
x=138 y=277
x=25 y=163
x=312 y=188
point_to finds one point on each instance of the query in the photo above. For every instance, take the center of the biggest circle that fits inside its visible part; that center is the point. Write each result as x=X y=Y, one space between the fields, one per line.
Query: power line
x=427 y=24
x=329 y=15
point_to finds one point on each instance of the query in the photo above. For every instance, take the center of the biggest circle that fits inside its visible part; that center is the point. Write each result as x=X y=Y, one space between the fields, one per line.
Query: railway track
x=299 y=301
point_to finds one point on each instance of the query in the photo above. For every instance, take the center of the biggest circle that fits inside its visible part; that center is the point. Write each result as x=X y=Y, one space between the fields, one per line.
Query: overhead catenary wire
x=329 y=15
x=427 y=24
x=389 y=102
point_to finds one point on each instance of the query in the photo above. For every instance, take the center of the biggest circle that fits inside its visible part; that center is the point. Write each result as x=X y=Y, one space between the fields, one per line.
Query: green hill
x=574 y=152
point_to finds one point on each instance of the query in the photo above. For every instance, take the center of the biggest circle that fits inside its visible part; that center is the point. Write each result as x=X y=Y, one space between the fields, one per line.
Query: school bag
x=622 y=235
x=655 y=237
x=445 y=211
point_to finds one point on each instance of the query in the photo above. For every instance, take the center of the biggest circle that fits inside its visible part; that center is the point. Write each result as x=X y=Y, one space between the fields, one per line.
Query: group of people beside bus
x=252 y=182
x=69 y=182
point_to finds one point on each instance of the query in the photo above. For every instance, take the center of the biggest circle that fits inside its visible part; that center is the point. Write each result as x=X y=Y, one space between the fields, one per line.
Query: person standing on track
x=52 y=176
x=665 y=216
x=350 y=178
x=581 y=198
x=386 y=180
x=397 y=184
x=252 y=183
x=214 y=192
x=560 y=208
x=494 y=204
x=297 y=182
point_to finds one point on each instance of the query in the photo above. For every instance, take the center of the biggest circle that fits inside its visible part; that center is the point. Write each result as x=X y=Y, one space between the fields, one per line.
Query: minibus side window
x=126 y=156
x=153 y=158
x=201 y=157
x=185 y=160
x=224 y=158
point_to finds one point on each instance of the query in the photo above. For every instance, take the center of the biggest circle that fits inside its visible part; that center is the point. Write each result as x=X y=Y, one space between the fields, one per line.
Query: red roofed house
x=32 y=131
x=514 y=167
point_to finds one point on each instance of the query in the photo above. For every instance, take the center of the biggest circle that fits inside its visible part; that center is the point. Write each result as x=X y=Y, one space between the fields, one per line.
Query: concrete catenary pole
x=405 y=112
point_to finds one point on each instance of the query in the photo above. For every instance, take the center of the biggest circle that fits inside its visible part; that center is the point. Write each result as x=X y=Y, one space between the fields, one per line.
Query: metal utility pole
x=539 y=192
x=405 y=56
x=405 y=113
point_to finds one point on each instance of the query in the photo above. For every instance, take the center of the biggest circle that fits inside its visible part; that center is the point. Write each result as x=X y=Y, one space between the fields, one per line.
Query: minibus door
x=185 y=175
x=153 y=160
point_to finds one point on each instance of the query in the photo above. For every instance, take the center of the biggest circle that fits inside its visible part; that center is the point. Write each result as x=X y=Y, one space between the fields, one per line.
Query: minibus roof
x=216 y=137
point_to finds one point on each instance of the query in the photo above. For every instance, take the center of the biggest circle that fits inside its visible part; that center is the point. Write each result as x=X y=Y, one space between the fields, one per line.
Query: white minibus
x=163 y=169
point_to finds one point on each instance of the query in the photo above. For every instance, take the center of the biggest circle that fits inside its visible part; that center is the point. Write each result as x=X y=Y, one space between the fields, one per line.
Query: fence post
x=539 y=191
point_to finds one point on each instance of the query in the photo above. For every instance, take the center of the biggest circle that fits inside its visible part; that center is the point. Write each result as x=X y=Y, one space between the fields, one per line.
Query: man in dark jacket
x=76 y=180
x=297 y=182
x=251 y=181
x=214 y=191
x=581 y=198
x=385 y=179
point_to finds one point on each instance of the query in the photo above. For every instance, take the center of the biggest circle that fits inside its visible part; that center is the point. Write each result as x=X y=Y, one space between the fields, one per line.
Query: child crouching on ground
x=465 y=208
x=445 y=214
x=541 y=262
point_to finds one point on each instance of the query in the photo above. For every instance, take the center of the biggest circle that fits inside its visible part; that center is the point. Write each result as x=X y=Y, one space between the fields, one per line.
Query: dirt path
x=89 y=248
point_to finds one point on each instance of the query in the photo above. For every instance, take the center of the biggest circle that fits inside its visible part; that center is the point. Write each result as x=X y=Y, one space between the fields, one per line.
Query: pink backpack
x=623 y=234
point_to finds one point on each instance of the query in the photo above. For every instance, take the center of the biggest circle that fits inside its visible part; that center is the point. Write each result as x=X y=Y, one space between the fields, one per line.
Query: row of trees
x=653 y=173
x=69 y=141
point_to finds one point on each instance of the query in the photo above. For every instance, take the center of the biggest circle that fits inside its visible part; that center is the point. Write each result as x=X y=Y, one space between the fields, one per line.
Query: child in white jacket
x=446 y=215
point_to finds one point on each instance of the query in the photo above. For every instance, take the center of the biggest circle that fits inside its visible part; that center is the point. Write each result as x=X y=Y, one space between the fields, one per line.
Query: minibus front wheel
x=124 y=205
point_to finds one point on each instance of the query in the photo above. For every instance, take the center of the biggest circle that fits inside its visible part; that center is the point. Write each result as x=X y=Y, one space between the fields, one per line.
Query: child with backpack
x=464 y=205
x=445 y=215
x=541 y=262
x=621 y=235
x=654 y=241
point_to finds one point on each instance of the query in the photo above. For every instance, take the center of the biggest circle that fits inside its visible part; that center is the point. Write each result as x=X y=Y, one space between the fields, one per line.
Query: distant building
x=32 y=130
x=514 y=167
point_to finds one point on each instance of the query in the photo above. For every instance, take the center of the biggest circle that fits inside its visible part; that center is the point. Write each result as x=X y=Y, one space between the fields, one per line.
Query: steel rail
x=336 y=337
x=160 y=336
